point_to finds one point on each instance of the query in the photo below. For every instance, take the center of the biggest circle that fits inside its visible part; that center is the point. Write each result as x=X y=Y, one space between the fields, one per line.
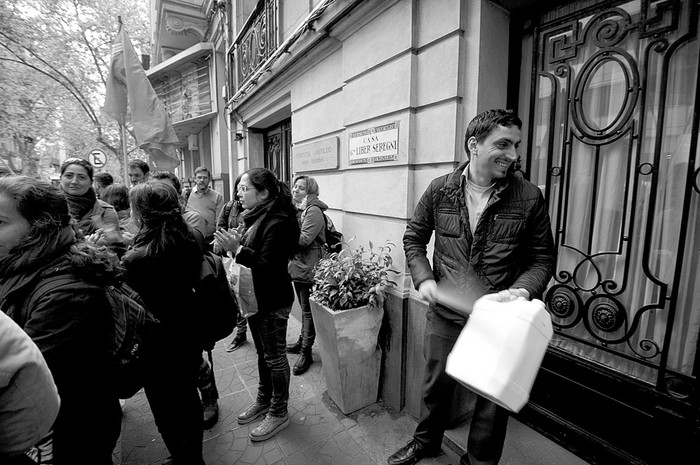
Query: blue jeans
x=269 y=331
x=308 y=331
x=487 y=432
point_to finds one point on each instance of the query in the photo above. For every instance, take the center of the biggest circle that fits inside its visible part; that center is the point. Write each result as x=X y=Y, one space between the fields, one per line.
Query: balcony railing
x=256 y=42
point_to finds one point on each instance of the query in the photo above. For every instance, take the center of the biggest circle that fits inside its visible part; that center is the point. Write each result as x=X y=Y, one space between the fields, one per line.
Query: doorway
x=609 y=94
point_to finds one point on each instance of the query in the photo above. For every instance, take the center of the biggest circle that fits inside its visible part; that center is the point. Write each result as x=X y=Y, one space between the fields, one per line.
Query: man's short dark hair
x=482 y=124
x=140 y=164
x=201 y=169
x=168 y=175
x=117 y=195
x=104 y=179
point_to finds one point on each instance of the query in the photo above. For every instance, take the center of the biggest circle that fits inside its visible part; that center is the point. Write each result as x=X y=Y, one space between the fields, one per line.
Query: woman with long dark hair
x=269 y=241
x=163 y=266
x=52 y=286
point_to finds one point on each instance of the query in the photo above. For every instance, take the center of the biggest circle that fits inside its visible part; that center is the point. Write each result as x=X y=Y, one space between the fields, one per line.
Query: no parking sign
x=98 y=158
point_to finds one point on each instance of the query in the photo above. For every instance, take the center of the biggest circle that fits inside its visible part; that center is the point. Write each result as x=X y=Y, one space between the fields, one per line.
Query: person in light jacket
x=311 y=239
x=29 y=398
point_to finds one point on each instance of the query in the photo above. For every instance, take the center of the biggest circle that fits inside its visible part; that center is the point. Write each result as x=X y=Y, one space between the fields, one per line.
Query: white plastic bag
x=241 y=281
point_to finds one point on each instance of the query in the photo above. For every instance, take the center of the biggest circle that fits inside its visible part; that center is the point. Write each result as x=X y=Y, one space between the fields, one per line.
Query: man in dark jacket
x=492 y=235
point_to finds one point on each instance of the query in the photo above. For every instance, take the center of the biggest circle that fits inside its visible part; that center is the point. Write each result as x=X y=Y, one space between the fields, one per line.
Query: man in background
x=138 y=172
x=205 y=201
x=100 y=182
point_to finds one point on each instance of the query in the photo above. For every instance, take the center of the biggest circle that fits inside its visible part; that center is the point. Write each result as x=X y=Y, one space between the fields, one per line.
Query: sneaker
x=269 y=427
x=237 y=342
x=252 y=413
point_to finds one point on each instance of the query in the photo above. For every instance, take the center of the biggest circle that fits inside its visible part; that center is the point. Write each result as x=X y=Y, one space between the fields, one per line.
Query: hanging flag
x=127 y=83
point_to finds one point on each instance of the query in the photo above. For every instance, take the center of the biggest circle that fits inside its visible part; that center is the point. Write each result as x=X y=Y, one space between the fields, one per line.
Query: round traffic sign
x=98 y=158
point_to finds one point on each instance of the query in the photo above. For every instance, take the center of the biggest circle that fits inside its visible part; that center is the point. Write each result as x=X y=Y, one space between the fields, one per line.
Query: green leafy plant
x=354 y=277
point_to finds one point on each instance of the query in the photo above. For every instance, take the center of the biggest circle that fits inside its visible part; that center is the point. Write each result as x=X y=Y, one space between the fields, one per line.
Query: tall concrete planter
x=349 y=352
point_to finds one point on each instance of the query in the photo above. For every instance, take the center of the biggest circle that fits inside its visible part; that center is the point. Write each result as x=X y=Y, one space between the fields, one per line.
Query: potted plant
x=347 y=304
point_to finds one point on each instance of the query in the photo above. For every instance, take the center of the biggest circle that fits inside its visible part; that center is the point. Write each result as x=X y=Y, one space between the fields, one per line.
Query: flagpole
x=126 y=155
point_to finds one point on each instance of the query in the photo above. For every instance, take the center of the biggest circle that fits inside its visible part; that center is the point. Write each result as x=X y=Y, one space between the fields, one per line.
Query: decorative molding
x=178 y=26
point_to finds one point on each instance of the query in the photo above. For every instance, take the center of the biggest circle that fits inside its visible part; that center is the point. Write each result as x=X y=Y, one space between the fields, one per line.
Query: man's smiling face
x=491 y=158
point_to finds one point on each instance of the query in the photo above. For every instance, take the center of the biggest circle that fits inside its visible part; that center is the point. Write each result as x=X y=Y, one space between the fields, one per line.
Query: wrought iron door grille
x=612 y=143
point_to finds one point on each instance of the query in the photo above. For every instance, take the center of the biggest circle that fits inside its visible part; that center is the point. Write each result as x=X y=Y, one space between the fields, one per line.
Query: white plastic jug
x=500 y=349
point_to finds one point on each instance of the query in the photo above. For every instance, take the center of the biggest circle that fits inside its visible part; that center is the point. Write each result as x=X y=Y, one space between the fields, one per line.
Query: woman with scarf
x=163 y=266
x=52 y=286
x=269 y=241
x=301 y=267
x=95 y=220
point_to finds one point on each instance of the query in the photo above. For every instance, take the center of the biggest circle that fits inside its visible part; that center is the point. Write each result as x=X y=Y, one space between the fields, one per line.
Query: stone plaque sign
x=315 y=156
x=379 y=143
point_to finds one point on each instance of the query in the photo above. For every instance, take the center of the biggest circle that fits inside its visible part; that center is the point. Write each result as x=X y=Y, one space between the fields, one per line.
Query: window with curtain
x=613 y=145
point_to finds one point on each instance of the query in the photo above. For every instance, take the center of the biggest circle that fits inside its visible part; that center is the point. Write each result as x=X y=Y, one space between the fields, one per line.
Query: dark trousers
x=487 y=432
x=269 y=331
x=87 y=428
x=206 y=382
x=308 y=331
x=171 y=390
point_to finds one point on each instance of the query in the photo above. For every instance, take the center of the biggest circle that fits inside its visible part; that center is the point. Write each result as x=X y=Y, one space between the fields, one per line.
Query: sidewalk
x=319 y=433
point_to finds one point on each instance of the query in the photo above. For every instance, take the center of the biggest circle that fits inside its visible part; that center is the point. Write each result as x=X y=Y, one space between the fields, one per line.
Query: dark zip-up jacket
x=512 y=245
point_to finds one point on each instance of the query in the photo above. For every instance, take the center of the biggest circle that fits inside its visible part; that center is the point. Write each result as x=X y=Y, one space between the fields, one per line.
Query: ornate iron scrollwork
x=258 y=41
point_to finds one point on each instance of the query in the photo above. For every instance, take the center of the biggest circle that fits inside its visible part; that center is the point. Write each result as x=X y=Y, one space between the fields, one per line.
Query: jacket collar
x=453 y=183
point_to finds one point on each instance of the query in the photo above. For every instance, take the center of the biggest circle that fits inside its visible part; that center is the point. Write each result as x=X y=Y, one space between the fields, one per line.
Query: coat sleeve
x=219 y=206
x=540 y=253
x=311 y=225
x=419 y=230
x=222 y=218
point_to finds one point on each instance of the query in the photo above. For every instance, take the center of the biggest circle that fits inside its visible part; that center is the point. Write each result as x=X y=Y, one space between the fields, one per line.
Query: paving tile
x=318 y=434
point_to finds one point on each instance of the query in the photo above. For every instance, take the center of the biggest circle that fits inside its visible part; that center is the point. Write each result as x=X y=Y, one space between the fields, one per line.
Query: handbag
x=241 y=281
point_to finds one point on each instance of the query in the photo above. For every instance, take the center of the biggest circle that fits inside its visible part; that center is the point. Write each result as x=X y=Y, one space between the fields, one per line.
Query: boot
x=210 y=395
x=294 y=348
x=303 y=362
x=238 y=340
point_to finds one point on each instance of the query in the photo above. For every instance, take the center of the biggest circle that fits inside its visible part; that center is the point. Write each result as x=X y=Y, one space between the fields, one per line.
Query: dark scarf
x=81 y=205
x=252 y=220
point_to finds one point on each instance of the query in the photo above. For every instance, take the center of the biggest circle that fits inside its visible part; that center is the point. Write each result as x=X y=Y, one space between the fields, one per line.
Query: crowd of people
x=61 y=246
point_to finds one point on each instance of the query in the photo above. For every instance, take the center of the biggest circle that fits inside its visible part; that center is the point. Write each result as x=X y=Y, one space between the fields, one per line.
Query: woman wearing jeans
x=311 y=239
x=269 y=241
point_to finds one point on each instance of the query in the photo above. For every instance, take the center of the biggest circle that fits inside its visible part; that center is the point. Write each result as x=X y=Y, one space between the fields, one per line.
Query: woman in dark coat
x=69 y=320
x=311 y=239
x=270 y=240
x=163 y=266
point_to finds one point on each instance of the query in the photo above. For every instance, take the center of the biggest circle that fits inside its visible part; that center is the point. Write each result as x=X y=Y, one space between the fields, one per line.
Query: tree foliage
x=54 y=59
